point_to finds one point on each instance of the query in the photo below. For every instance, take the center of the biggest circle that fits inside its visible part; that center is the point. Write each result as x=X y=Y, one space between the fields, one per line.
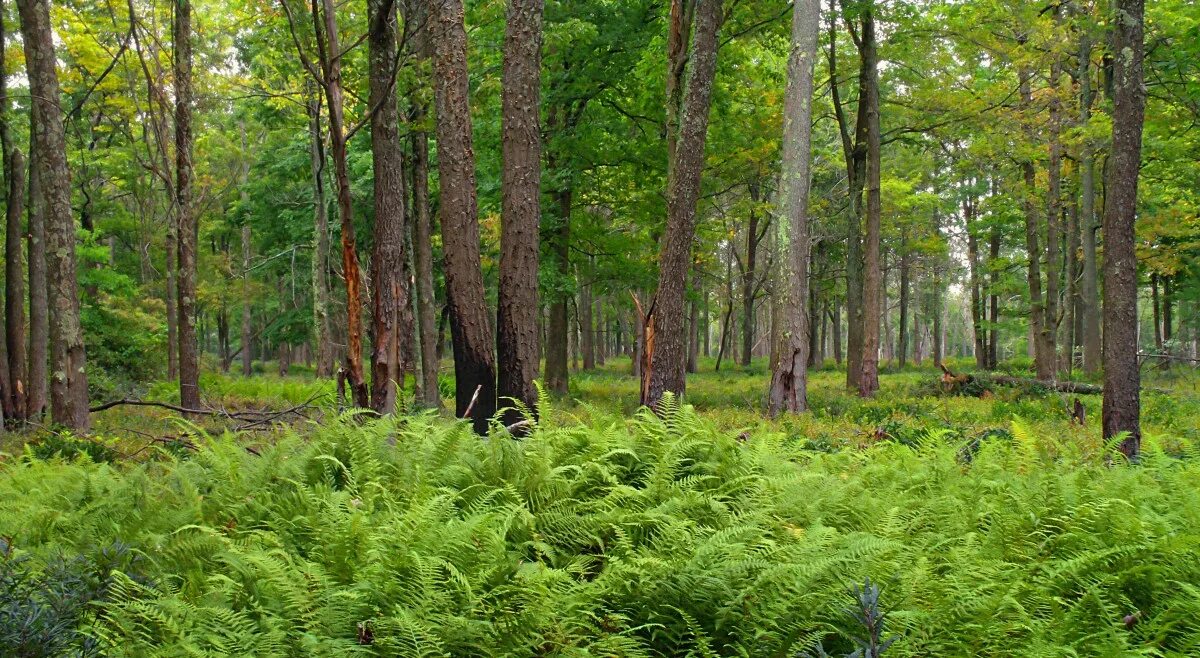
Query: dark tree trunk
x=474 y=360
x=1049 y=337
x=517 y=305
x=693 y=355
x=750 y=277
x=322 y=332
x=556 y=332
x=1156 y=307
x=905 y=294
x=68 y=388
x=1090 y=294
x=993 y=334
x=390 y=305
x=1037 y=305
x=666 y=372
x=976 y=283
x=189 y=357
x=247 y=317
x=14 y=302
x=1122 y=380
x=835 y=322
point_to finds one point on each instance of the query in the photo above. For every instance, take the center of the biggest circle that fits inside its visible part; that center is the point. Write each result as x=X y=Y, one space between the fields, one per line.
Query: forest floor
x=994 y=526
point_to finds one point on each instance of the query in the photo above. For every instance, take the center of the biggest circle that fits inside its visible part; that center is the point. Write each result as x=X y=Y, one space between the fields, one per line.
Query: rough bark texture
x=683 y=191
x=1089 y=290
x=322 y=332
x=556 y=333
x=789 y=381
x=1122 y=380
x=14 y=301
x=39 y=321
x=517 y=305
x=423 y=263
x=905 y=295
x=247 y=318
x=474 y=361
x=390 y=315
x=329 y=43
x=189 y=353
x=1049 y=335
x=1037 y=304
x=68 y=388
x=868 y=382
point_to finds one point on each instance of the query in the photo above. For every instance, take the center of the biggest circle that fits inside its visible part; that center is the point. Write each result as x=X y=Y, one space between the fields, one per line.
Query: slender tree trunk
x=977 y=309
x=587 y=343
x=905 y=294
x=1054 y=213
x=390 y=317
x=517 y=304
x=474 y=360
x=667 y=359
x=1122 y=380
x=1037 y=305
x=189 y=357
x=1156 y=308
x=14 y=306
x=693 y=355
x=1090 y=295
x=750 y=277
x=68 y=389
x=322 y=333
x=789 y=381
x=39 y=321
x=993 y=333
x=556 y=333
x=836 y=328
x=423 y=262
x=172 y=260
x=873 y=271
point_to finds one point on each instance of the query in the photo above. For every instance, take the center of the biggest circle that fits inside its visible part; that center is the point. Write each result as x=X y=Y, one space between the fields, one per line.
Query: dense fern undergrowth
x=990 y=528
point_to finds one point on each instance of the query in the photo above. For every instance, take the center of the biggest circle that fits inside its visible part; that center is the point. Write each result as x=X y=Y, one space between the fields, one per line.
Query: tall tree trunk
x=1037 y=305
x=683 y=192
x=322 y=333
x=330 y=48
x=390 y=317
x=247 y=318
x=977 y=309
x=1122 y=380
x=556 y=333
x=872 y=269
x=835 y=323
x=14 y=302
x=474 y=360
x=189 y=357
x=587 y=334
x=1156 y=307
x=693 y=354
x=1050 y=325
x=750 y=277
x=905 y=294
x=1073 y=320
x=68 y=388
x=39 y=321
x=423 y=263
x=789 y=381
x=172 y=260
x=517 y=301
x=994 y=296
x=1087 y=218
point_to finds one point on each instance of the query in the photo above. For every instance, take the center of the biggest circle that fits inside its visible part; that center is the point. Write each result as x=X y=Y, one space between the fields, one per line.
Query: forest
x=795 y=328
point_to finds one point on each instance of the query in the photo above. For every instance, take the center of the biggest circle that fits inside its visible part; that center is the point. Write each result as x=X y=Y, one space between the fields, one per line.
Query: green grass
x=994 y=526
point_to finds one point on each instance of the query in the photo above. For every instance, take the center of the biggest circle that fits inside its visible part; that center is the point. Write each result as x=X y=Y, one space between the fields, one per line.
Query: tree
x=185 y=212
x=517 y=306
x=667 y=359
x=68 y=382
x=474 y=360
x=789 y=382
x=1122 y=379
x=391 y=310
x=872 y=300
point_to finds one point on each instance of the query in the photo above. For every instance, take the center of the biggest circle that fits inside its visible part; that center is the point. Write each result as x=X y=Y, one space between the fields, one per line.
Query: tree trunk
x=993 y=334
x=423 y=262
x=905 y=294
x=14 y=303
x=789 y=381
x=587 y=342
x=39 y=322
x=1043 y=363
x=1156 y=307
x=1122 y=380
x=1090 y=295
x=873 y=273
x=835 y=323
x=187 y=221
x=693 y=354
x=474 y=361
x=556 y=333
x=666 y=372
x=322 y=334
x=517 y=299
x=390 y=317
x=68 y=389
x=1050 y=324
x=749 y=277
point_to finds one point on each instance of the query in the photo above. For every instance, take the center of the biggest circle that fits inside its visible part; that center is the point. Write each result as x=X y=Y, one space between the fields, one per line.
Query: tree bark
x=68 y=388
x=517 y=299
x=905 y=294
x=390 y=317
x=750 y=276
x=39 y=321
x=1044 y=364
x=666 y=372
x=1122 y=379
x=993 y=334
x=14 y=302
x=189 y=357
x=322 y=332
x=474 y=361
x=1049 y=337
x=1090 y=296
x=423 y=263
x=789 y=381
x=872 y=270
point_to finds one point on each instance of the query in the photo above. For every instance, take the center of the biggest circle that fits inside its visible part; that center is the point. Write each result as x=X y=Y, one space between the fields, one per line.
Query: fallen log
x=969 y=384
x=1058 y=386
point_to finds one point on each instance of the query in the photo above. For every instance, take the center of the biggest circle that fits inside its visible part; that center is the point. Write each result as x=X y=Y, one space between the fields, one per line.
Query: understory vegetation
x=991 y=527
